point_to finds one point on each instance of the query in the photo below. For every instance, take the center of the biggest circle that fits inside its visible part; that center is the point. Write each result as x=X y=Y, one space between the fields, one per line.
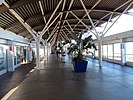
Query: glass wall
x=129 y=51
x=110 y=51
x=105 y=51
x=3 y=56
x=18 y=54
x=117 y=51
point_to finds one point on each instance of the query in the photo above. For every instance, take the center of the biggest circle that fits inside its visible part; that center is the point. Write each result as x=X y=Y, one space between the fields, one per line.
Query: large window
x=16 y=55
x=110 y=51
x=105 y=51
x=117 y=51
x=129 y=51
x=3 y=58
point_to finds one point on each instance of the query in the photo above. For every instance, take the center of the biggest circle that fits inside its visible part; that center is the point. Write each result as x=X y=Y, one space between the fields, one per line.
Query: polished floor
x=57 y=81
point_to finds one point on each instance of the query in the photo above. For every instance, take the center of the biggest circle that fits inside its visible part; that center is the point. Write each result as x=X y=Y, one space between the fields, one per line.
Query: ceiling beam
x=118 y=18
x=67 y=29
x=40 y=4
x=65 y=35
x=53 y=37
x=29 y=29
x=80 y=25
x=115 y=10
x=69 y=25
x=38 y=16
x=33 y=17
x=89 y=12
x=54 y=30
x=76 y=29
x=70 y=5
x=43 y=32
x=80 y=20
x=53 y=41
x=60 y=23
x=92 y=23
x=45 y=27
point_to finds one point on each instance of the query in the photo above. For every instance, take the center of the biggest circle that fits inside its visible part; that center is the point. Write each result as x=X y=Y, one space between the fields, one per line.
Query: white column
x=100 y=52
x=26 y=54
x=123 y=52
x=47 y=50
x=44 y=51
x=37 y=53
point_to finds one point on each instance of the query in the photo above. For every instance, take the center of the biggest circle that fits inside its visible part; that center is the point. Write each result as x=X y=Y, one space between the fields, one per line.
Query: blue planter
x=80 y=66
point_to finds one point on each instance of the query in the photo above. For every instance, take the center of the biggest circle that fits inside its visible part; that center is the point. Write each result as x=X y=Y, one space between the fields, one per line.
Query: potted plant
x=79 y=60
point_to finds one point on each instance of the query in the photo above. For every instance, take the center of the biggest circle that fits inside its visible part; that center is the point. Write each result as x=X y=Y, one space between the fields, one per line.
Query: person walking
x=57 y=53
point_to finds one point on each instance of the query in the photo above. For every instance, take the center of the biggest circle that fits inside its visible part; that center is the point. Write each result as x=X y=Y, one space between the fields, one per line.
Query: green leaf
x=89 y=38
x=75 y=37
x=80 y=36
x=94 y=46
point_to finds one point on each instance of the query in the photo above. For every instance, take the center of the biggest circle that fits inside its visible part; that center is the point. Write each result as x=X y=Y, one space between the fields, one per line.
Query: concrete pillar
x=10 y=57
x=37 y=53
x=123 y=52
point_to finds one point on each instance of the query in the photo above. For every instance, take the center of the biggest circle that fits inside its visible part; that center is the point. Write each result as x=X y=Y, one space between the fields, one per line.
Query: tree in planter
x=79 y=47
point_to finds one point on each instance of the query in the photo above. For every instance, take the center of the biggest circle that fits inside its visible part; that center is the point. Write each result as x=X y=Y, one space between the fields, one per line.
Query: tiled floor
x=57 y=81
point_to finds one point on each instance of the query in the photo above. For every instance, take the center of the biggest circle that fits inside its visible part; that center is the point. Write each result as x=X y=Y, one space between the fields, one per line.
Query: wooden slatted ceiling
x=30 y=12
x=109 y=5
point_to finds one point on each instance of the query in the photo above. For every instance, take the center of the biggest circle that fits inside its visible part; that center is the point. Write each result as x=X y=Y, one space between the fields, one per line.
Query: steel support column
x=123 y=52
x=37 y=53
x=100 y=52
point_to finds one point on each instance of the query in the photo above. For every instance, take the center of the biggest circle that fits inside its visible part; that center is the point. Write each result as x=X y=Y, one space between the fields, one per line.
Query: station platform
x=10 y=80
x=57 y=81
